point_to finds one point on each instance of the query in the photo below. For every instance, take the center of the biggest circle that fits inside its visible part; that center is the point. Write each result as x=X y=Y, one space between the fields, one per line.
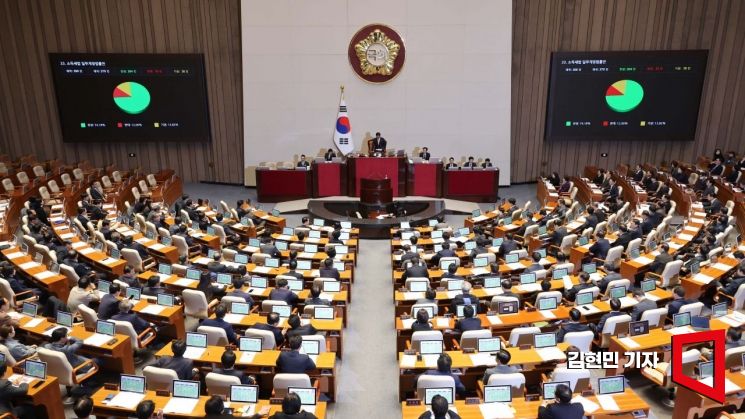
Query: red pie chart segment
x=120 y=91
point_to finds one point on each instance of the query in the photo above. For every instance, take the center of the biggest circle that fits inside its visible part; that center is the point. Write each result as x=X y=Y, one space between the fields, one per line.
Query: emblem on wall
x=377 y=53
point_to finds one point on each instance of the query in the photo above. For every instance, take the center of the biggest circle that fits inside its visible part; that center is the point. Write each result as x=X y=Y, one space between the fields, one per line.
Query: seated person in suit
x=446 y=252
x=536 y=265
x=451 y=164
x=219 y=321
x=600 y=248
x=315 y=297
x=126 y=315
x=451 y=273
x=9 y=392
x=407 y=254
x=297 y=328
x=291 y=409
x=565 y=185
x=329 y=155
x=293 y=272
x=153 y=287
x=146 y=410
x=430 y=297
x=268 y=247
x=643 y=304
x=283 y=293
x=468 y=322
x=470 y=164
x=214 y=408
x=503 y=357
x=241 y=286
x=560 y=231
x=439 y=410
x=584 y=283
x=572 y=325
x=679 y=301
x=16 y=348
x=184 y=367
x=464 y=298
x=227 y=362
x=272 y=320
x=328 y=270
x=84 y=293
x=613 y=274
x=508 y=245
x=615 y=310
x=661 y=260
x=422 y=321
x=424 y=154
x=131 y=244
x=70 y=346
x=418 y=269
x=562 y=407
x=83 y=407
x=486 y=163
x=507 y=289
x=444 y=367
x=303 y=163
x=292 y=361
x=334 y=239
x=738 y=279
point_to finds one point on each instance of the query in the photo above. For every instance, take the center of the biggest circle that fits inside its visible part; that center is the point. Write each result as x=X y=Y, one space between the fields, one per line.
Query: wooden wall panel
x=30 y=29
x=543 y=26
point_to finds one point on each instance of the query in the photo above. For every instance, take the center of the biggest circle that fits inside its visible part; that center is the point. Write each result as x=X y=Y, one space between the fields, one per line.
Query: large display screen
x=131 y=97
x=633 y=95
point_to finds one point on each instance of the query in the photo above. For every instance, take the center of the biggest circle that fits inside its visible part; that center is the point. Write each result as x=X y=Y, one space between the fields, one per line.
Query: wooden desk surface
x=55 y=283
x=462 y=360
x=100 y=408
x=627 y=402
x=266 y=358
x=45 y=394
x=335 y=325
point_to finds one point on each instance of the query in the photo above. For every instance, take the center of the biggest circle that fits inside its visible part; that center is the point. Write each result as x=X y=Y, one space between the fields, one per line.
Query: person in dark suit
x=418 y=269
x=82 y=217
x=439 y=410
x=315 y=297
x=241 y=286
x=451 y=164
x=470 y=164
x=661 y=260
x=379 y=144
x=536 y=265
x=303 y=163
x=298 y=329
x=407 y=255
x=712 y=205
x=584 y=283
x=268 y=247
x=591 y=220
x=214 y=408
x=272 y=320
x=716 y=168
x=600 y=248
x=560 y=231
x=282 y=293
x=508 y=245
x=503 y=357
x=679 y=301
x=487 y=163
x=292 y=361
x=153 y=287
x=424 y=154
x=129 y=277
x=446 y=252
x=465 y=298
x=642 y=305
x=612 y=275
x=738 y=279
x=422 y=321
x=125 y=314
x=468 y=322
x=507 y=289
x=562 y=408
x=554 y=179
x=292 y=272
x=444 y=367
x=227 y=362
x=615 y=310
x=215 y=266
x=624 y=237
x=328 y=270
x=480 y=248
x=452 y=272
x=613 y=190
x=10 y=393
x=329 y=155
x=565 y=185
x=572 y=325
x=291 y=409
x=219 y=321
x=184 y=367
x=638 y=174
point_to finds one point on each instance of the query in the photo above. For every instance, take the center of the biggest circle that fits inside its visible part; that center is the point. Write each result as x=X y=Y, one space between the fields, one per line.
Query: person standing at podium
x=425 y=155
x=379 y=144
x=329 y=155
x=303 y=163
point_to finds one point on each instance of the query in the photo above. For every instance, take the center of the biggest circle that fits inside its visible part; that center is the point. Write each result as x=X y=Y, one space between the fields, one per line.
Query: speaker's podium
x=375 y=192
x=393 y=168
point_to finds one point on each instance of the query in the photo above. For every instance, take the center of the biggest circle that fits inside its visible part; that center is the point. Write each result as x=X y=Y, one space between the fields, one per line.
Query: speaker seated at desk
x=376 y=146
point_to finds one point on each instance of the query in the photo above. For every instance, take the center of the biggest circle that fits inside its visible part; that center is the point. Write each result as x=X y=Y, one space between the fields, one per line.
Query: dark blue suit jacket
x=181 y=365
x=138 y=323
x=108 y=307
x=459 y=387
x=605 y=317
x=278 y=337
x=235 y=373
x=468 y=324
x=242 y=294
x=222 y=324
x=675 y=306
x=293 y=362
x=283 y=294
x=569 y=328
x=600 y=248
x=561 y=411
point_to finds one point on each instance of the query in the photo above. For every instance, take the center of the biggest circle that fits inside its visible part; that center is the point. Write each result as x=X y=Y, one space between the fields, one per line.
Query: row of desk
x=407 y=179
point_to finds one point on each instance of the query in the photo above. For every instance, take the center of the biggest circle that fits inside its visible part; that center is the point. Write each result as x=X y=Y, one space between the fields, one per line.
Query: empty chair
x=151 y=181
x=220 y=384
x=545 y=295
x=433 y=381
x=566 y=244
x=321 y=339
x=733 y=356
x=78 y=173
x=470 y=338
x=15 y=300
x=8 y=185
x=90 y=317
x=58 y=366
x=613 y=258
x=523 y=335
x=23 y=178
x=633 y=245
x=133 y=259
x=419 y=336
x=159 y=378
x=216 y=336
x=283 y=381
x=613 y=325
x=693 y=308
x=579 y=379
x=662 y=375
x=117 y=176
x=266 y=305
x=669 y=276
x=655 y=317
x=195 y=304
x=582 y=340
x=39 y=171
x=268 y=341
x=69 y=272
x=66 y=180
x=623 y=282
x=516 y=380
x=141 y=340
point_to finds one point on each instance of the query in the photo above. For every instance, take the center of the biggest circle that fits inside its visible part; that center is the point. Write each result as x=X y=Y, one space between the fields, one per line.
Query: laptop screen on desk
x=311 y=347
x=431 y=223
x=639 y=328
x=719 y=310
x=271 y=262
x=611 y=385
x=323 y=313
x=29 y=309
x=331 y=286
x=436 y=234
x=446 y=392
x=241 y=258
x=288 y=231
x=36 y=369
x=428 y=308
x=418 y=286
x=584 y=298
x=492 y=282
x=341 y=249
x=295 y=284
x=460 y=308
x=105 y=328
x=480 y=262
x=224 y=279
x=507 y=307
x=164 y=269
x=258 y=282
x=318 y=222
x=560 y=273
x=547 y=304
x=544 y=340
x=405 y=225
x=103 y=286
x=497 y=394
x=430 y=347
x=197 y=340
x=281 y=245
x=310 y=248
x=339 y=266
x=406 y=235
x=469 y=245
x=186 y=389
x=589 y=268
x=528 y=278
x=455 y=284
x=303 y=265
x=314 y=234
x=239 y=308
x=114 y=253
x=244 y=393
x=254 y=242
x=247 y=344
x=133 y=293
x=463 y=231
x=618 y=292
x=681 y=319
x=307 y=395
x=193 y=274
x=132 y=383
x=165 y=300
x=476 y=213
x=282 y=311
x=649 y=285
x=489 y=345
x=64 y=318
x=549 y=389
x=512 y=258
x=497 y=242
x=705 y=369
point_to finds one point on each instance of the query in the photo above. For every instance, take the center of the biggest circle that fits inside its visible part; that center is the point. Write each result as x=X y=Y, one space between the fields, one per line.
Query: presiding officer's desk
x=101 y=409
x=627 y=402
x=264 y=364
x=283 y=184
x=477 y=185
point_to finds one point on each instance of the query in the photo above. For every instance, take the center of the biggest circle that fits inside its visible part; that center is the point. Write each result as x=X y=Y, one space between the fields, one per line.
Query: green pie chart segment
x=624 y=95
x=131 y=97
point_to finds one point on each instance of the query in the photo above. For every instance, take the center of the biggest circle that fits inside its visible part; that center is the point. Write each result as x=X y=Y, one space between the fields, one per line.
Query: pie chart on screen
x=624 y=95
x=131 y=97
